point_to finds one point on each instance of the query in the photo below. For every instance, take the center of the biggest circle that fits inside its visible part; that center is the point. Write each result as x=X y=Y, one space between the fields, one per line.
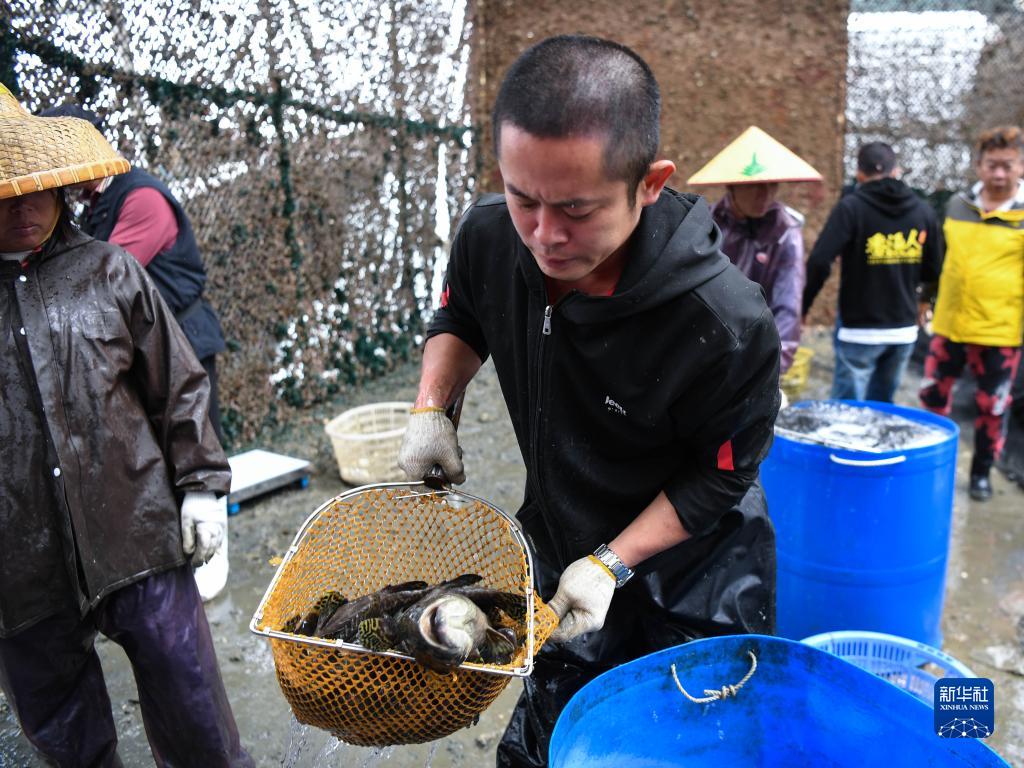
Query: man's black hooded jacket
x=670 y=383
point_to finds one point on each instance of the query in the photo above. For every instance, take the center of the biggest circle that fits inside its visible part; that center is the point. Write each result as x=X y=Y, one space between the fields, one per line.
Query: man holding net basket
x=640 y=370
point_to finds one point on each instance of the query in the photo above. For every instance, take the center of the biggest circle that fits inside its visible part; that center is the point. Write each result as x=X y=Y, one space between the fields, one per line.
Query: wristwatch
x=619 y=569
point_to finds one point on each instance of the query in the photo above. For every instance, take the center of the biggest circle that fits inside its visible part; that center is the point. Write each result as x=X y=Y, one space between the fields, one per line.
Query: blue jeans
x=868 y=371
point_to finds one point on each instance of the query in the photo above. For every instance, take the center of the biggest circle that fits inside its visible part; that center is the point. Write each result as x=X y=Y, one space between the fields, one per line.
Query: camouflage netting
x=320 y=149
x=928 y=76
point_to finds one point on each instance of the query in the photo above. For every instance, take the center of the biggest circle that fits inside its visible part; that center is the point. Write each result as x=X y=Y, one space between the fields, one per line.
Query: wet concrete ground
x=985 y=592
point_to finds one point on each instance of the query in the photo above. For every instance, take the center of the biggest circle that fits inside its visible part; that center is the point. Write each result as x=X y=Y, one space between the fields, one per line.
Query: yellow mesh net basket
x=360 y=542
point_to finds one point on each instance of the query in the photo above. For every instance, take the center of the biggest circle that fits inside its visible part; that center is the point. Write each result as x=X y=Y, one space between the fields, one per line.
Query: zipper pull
x=546 y=330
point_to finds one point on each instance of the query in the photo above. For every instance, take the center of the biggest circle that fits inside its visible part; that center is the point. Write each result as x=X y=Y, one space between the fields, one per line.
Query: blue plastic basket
x=907 y=664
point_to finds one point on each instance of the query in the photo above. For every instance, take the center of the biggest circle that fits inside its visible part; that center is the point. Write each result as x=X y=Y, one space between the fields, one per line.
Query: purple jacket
x=769 y=251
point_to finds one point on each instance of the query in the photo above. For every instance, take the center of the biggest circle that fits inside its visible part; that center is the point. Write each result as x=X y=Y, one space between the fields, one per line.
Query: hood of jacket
x=675 y=247
x=890 y=196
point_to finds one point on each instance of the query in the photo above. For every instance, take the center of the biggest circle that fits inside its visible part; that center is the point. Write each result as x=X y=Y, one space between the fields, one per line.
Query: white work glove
x=584 y=593
x=430 y=439
x=204 y=523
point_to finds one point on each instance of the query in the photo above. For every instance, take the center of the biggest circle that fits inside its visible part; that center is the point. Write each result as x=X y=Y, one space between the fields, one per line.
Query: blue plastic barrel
x=862 y=537
x=801 y=707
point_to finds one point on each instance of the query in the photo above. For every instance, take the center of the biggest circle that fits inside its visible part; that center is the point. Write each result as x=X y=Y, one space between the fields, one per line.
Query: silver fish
x=443 y=630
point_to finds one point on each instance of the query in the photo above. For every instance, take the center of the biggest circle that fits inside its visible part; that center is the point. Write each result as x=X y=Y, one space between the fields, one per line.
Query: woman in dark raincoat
x=111 y=473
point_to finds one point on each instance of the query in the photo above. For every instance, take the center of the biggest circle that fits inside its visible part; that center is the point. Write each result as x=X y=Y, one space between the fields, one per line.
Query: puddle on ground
x=310 y=747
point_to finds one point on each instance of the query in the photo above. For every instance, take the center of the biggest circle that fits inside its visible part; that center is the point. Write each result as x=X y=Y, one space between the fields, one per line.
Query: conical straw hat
x=38 y=153
x=754 y=157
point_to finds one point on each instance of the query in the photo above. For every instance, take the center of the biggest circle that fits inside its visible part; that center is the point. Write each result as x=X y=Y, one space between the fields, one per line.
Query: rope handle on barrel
x=726 y=690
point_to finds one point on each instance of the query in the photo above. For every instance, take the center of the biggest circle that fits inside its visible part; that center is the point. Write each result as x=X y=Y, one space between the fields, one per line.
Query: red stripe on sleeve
x=725 y=456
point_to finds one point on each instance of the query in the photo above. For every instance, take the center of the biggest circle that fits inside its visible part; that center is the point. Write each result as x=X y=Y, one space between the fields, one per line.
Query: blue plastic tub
x=801 y=707
x=862 y=537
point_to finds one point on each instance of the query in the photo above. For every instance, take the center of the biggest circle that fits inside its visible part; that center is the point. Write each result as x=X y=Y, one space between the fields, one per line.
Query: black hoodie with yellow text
x=890 y=247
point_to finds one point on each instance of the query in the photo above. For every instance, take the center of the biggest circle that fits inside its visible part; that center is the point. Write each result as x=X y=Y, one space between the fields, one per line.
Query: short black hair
x=578 y=85
x=876 y=158
x=70 y=109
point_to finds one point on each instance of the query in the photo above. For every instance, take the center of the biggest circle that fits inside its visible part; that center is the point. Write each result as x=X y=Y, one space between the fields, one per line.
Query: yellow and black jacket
x=981 y=291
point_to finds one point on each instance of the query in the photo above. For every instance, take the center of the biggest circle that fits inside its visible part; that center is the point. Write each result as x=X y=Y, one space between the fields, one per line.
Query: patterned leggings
x=993 y=369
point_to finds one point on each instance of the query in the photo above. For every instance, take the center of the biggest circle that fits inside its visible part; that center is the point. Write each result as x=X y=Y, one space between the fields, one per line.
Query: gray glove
x=584 y=594
x=204 y=522
x=430 y=439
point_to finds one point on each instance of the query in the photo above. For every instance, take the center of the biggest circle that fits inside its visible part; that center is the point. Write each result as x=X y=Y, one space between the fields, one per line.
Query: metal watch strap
x=619 y=569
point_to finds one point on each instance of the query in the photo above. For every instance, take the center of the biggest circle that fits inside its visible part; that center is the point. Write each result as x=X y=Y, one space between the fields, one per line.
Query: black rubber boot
x=981 y=488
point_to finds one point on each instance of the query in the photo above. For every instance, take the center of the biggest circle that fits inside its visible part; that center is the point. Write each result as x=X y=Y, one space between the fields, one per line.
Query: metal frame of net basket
x=366 y=539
